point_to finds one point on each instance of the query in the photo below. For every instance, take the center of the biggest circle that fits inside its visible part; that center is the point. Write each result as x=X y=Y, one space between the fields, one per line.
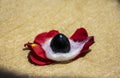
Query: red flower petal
x=41 y=38
x=89 y=43
x=79 y=35
x=37 y=55
x=52 y=33
x=85 y=47
x=37 y=49
x=38 y=61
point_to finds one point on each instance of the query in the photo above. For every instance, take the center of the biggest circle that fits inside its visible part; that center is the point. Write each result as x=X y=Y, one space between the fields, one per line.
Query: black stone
x=60 y=44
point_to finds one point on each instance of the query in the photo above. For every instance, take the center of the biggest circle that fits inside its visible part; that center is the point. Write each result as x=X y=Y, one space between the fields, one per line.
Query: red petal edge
x=37 y=55
x=85 y=47
x=37 y=61
x=41 y=38
x=79 y=35
x=52 y=33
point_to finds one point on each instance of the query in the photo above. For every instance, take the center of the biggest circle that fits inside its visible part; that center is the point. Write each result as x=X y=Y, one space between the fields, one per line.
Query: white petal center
x=76 y=48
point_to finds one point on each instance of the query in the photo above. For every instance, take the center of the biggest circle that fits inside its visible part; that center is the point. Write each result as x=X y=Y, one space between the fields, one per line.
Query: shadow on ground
x=10 y=74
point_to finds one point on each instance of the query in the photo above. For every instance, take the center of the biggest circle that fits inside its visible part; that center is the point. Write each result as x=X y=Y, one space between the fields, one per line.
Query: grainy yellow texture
x=22 y=20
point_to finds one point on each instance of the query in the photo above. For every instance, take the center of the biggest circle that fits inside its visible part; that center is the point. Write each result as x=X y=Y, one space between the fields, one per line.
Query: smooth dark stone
x=60 y=44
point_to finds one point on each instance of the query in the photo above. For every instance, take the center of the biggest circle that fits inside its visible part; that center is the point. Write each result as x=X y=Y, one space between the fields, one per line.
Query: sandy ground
x=22 y=20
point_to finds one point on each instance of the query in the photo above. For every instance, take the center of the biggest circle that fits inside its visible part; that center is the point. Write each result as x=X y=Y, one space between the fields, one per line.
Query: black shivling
x=60 y=44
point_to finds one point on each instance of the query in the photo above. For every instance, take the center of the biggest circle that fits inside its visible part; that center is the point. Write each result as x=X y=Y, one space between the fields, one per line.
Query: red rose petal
x=85 y=47
x=38 y=61
x=79 y=35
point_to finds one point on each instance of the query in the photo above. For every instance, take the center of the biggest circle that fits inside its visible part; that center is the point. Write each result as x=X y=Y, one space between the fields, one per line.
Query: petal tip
x=79 y=35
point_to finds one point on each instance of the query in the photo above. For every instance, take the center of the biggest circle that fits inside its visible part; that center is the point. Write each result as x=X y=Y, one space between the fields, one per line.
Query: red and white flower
x=42 y=53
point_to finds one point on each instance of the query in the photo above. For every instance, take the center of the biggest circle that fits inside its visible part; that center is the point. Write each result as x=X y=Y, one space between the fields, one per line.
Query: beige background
x=22 y=20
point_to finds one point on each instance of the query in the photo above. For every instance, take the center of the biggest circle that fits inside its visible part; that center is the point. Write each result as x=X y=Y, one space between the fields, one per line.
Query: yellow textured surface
x=22 y=20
